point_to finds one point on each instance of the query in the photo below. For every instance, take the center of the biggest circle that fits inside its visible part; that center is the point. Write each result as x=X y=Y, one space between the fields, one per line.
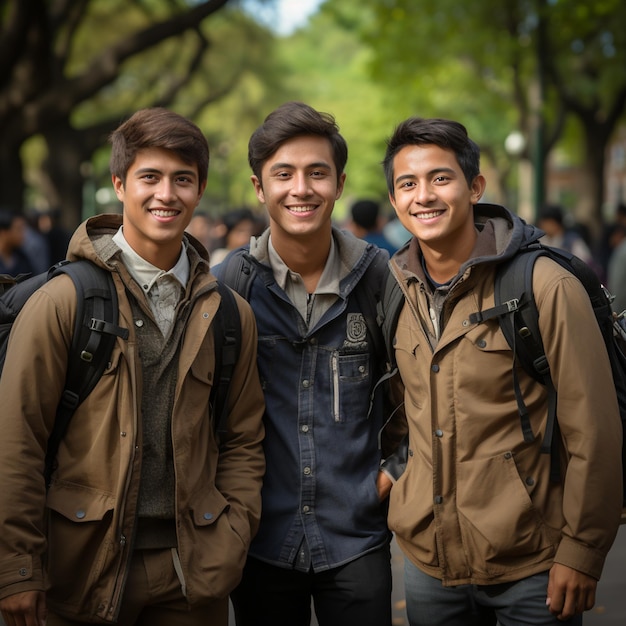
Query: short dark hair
x=552 y=212
x=365 y=213
x=446 y=134
x=158 y=128
x=294 y=119
x=7 y=217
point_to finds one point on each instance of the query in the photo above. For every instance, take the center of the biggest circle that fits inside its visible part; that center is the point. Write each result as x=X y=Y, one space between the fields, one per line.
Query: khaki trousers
x=153 y=596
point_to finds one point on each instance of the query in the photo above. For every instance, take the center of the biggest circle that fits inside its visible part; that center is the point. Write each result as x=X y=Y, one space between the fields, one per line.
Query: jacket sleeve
x=241 y=464
x=588 y=418
x=30 y=388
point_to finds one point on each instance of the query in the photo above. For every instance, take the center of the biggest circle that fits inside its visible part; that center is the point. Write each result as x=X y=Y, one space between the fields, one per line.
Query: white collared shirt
x=164 y=289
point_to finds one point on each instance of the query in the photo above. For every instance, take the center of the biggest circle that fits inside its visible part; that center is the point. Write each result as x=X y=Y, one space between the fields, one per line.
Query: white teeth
x=428 y=216
x=164 y=213
x=300 y=209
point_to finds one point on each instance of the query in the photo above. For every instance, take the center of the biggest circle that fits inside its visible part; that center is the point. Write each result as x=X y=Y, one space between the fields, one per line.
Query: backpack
x=517 y=314
x=94 y=336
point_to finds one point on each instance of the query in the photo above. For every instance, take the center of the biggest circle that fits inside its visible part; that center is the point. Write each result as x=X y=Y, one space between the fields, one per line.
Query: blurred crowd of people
x=32 y=243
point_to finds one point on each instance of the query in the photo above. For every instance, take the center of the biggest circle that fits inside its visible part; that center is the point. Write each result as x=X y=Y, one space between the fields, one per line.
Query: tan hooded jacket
x=475 y=504
x=77 y=539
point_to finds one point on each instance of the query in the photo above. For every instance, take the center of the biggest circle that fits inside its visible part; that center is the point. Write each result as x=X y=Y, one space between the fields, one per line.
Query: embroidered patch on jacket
x=356 y=328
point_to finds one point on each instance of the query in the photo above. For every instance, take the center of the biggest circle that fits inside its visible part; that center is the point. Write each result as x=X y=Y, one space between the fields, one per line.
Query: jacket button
x=307 y=471
x=530 y=481
x=508 y=455
x=481 y=343
x=438 y=499
x=305 y=384
x=80 y=514
x=23 y=571
x=138 y=323
x=208 y=516
x=435 y=368
x=439 y=433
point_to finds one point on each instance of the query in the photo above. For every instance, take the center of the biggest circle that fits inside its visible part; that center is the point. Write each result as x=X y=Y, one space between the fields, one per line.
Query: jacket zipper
x=335 y=372
x=123 y=567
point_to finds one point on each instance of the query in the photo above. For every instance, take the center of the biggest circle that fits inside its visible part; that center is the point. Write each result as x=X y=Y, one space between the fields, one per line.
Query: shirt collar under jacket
x=144 y=272
x=310 y=306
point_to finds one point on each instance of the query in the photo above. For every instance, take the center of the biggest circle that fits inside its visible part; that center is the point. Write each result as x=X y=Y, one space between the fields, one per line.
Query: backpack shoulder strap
x=94 y=335
x=389 y=309
x=368 y=293
x=237 y=271
x=517 y=314
x=227 y=333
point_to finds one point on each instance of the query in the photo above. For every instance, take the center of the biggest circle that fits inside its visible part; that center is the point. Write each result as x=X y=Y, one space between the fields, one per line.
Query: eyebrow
x=150 y=170
x=437 y=170
x=280 y=166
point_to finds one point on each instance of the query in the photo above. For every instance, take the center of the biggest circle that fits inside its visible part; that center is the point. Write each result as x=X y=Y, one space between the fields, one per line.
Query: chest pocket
x=350 y=376
x=486 y=348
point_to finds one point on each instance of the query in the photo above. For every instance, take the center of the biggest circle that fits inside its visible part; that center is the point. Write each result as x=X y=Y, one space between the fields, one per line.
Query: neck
x=304 y=257
x=443 y=263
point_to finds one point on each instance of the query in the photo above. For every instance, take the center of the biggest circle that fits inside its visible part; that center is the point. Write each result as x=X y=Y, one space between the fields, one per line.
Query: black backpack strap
x=368 y=293
x=227 y=333
x=237 y=271
x=94 y=336
x=389 y=309
x=520 y=325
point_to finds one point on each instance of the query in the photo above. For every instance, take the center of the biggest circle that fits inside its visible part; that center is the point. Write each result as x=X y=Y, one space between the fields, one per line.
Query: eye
x=442 y=179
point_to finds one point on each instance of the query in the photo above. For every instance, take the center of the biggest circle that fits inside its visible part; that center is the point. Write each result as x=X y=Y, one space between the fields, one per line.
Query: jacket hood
x=93 y=240
x=511 y=231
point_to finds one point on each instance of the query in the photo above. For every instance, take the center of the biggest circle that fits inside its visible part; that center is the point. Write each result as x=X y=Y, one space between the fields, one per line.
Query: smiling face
x=433 y=200
x=299 y=186
x=159 y=196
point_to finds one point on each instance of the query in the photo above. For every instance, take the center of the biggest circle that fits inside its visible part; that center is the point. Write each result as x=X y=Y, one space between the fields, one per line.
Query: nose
x=424 y=194
x=301 y=185
x=165 y=191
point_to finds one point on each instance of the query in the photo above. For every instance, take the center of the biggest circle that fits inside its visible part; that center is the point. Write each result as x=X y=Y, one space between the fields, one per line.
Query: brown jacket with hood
x=476 y=504
x=76 y=539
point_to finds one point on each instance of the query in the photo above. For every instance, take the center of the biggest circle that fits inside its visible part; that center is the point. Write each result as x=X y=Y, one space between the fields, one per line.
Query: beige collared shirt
x=311 y=306
x=163 y=289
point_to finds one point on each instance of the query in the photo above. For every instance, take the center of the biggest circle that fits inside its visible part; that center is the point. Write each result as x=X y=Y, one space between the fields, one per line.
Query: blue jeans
x=521 y=603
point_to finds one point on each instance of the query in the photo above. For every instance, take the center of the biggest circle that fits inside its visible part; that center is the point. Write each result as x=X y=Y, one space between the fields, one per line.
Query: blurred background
x=540 y=85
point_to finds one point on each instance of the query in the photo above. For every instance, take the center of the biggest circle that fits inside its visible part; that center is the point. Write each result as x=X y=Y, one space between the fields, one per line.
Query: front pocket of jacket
x=79 y=538
x=497 y=516
x=350 y=381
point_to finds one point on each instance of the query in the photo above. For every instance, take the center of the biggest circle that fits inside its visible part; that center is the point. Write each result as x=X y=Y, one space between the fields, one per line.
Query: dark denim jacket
x=321 y=447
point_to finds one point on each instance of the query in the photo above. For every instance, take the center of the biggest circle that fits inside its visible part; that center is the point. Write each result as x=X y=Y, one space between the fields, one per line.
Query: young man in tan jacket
x=148 y=516
x=485 y=532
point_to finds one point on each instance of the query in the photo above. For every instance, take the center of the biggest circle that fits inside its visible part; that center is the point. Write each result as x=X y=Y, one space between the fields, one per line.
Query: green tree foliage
x=72 y=69
x=499 y=66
